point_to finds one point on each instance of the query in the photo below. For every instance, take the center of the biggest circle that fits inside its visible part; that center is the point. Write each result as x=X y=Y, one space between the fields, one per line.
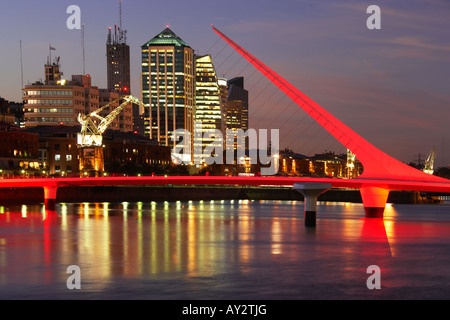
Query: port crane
x=91 y=133
x=429 y=163
x=90 y=138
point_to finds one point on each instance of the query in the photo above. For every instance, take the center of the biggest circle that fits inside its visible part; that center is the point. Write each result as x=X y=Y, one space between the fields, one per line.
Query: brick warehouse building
x=18 y=151
x=124 y=152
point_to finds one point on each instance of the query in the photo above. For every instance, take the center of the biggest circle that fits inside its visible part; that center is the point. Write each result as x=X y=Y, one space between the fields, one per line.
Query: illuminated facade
x=167 y=86
x=57 y=100
x=223 y=88
x=237 y=108
x=58 y=153
x=208 y=108
x=18 y=151
x=237 y=104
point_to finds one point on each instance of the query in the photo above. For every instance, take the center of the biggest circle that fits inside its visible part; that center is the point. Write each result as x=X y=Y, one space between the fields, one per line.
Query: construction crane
x=429 y=163
x=91 y=134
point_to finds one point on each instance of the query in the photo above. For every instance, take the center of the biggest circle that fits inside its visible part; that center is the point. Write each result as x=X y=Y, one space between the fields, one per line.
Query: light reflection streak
x=105 y=210
x=94 y=252
x=86 y=210
x=63 y=216
x=389 y=226
x=140 y=244
x=166 y=237
x=154 y=242
x=125 y=242
x=3 y=259
x=178 y=243
x=244 y=236
x=24 y=211
x=191 y=240
x=276 y=236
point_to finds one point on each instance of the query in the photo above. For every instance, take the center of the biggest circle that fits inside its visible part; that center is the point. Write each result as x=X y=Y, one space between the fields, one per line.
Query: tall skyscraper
x=208 y=113
x=167 y=86
x=237 y=104
x=118 y=61
x=237 y=109
x=223 y=89
x=118 y=75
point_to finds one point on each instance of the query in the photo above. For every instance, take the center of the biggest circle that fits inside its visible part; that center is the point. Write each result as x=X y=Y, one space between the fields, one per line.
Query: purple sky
x=392 y=86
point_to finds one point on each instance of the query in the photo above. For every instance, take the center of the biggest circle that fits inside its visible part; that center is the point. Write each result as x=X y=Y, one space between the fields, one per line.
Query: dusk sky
x=392 y=86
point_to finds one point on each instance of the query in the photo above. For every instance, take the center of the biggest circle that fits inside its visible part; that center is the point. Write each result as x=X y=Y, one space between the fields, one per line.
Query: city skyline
x=389 y=85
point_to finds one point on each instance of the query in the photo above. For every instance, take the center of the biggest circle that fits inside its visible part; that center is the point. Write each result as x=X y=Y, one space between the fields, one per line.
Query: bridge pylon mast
x=377 y=165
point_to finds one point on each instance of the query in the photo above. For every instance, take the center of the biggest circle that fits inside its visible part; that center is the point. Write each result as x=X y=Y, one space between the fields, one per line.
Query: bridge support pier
x=311 y=192
x=374 y=201
x=50 y=197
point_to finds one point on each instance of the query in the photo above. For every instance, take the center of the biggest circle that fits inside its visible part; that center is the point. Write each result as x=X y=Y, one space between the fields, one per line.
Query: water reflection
x=107 y=239
x=206 y=239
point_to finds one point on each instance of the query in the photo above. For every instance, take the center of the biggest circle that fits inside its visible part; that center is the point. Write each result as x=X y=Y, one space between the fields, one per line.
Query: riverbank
x=185 y=193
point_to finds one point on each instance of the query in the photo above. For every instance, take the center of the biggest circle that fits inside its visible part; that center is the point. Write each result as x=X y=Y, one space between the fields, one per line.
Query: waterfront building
x=237 y=104
x=59 y=155
x=58 y=152
x=128 y=152
x=6 y=114
x=208 y=108
x=327 y=164
x=18 y=151
x=57 y=100
x=16 y=108
x=167 y=81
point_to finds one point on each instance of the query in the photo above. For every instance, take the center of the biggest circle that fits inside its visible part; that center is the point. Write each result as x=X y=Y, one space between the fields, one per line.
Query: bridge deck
x=356 y=183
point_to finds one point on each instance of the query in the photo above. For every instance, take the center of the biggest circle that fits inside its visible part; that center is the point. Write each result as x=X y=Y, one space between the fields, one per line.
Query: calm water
x=223 y=250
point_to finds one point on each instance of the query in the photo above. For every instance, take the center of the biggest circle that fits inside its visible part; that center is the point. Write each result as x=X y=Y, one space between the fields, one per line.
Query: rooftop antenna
x=120 y=14
x=50 y=53
x=21 y=64
x=108 y=41
x=82 y=46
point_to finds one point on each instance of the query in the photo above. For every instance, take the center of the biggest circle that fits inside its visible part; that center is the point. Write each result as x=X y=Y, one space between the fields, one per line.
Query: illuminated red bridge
x=382 y=173
x=51 y=185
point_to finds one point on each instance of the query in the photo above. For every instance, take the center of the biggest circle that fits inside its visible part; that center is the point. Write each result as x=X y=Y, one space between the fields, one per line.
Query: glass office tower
x=208 y=109
x=167 y=86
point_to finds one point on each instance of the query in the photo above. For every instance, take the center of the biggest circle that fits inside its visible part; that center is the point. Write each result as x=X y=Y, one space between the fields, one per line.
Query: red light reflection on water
x=375 y=238
x=200 y=239
x=36 y=238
